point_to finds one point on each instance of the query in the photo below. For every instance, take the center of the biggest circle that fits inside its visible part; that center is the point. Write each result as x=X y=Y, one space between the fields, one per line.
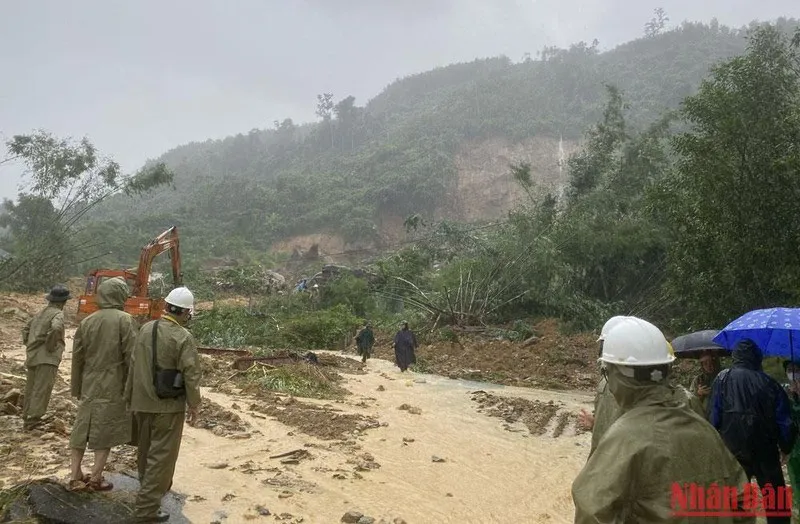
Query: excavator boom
x=166 y=241
x=139 y=304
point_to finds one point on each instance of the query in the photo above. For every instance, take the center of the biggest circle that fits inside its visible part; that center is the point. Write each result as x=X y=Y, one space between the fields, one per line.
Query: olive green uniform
x=160 y=421
x=100 y=357
x=658 y=440
x=43 y=337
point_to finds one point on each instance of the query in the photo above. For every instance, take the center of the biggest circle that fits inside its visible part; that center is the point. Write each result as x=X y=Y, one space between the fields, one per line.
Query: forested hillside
x=395 y=155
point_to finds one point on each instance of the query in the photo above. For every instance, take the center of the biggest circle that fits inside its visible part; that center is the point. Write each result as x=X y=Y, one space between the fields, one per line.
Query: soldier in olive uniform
x=43 y=337
x=159 y=419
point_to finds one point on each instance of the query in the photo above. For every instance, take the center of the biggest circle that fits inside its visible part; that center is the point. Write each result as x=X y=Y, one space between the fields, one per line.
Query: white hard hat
x=611 y=322
x=181 y=297
x=631 y=341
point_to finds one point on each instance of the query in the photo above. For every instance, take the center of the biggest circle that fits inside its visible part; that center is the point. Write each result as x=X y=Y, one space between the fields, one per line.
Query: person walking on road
x=162 y=391
x=752 y=413
x=657 y=442
x=43 y=337
x=364 y=342
x=101 y=353
x=405 y=344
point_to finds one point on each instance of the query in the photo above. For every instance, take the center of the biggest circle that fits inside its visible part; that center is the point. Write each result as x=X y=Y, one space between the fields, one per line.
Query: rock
x=381 y=388
x=228 y=497
x=420 y=380
x=285 y=494
x=12 y=397
x=48 y=436
x=434 y=458
x=366 y=520
x=448 y=495
x=8 y=409
x=216 y=465
x=404 y=438
x=530 y=341
x=233 y=406
x=240 y=436
x=352 y=517
x=264 y=512
x=339 y=476
x=398 y=520
x=219 y=431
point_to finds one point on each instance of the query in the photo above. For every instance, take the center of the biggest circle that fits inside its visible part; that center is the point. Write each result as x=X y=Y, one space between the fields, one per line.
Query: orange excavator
x=139 y=304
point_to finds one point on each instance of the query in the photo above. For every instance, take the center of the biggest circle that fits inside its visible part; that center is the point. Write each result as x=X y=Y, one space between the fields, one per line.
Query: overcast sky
x=140 y=77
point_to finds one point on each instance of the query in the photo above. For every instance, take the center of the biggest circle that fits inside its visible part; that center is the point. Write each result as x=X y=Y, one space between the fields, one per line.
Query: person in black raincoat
x=364 y=342
x=752 y=413
x=405 y=343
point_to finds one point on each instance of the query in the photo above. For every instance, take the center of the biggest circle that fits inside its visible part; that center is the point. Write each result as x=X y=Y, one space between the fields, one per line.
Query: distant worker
x=657 y=443
x=302 y=285
x=752 y=413
x=405 y=344
x=364 y=342
x=701 y=384
x=43 y=337
x=160 y=413
x=101 y=354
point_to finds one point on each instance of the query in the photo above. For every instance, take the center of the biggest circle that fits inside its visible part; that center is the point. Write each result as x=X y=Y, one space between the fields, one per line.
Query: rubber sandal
x=77 y=486
x=100 y=485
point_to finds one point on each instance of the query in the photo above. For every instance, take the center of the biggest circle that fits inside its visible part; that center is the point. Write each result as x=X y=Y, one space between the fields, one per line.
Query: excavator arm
x=166 y=241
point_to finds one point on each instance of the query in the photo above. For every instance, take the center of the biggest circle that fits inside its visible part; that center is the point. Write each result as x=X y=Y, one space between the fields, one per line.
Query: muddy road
x=400 y=447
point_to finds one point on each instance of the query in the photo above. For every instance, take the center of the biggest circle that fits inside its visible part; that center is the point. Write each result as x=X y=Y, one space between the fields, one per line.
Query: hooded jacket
x=101 y=354
x=656 y=442
x=750 y=409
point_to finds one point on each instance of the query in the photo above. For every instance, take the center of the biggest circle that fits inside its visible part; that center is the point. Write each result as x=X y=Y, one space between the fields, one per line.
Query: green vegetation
x=300 y=380
x=395 y=156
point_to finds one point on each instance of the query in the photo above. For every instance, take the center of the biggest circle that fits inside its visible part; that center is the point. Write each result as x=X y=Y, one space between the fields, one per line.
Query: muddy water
x=489 y=474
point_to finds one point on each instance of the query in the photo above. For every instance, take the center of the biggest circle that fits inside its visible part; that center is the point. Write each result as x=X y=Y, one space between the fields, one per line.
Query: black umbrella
x=694 y=345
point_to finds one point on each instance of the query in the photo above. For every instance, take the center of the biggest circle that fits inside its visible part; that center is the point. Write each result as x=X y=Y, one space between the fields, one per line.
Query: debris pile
x=535 y=415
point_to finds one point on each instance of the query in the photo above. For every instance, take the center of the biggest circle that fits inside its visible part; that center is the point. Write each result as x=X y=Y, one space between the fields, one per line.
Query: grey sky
x=140 y=77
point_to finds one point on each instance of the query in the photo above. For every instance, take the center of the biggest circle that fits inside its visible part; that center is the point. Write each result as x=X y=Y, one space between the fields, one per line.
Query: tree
x=657 y=24
x=732 y=200
x=587 y=167
x=325 y=111
x=64 y=180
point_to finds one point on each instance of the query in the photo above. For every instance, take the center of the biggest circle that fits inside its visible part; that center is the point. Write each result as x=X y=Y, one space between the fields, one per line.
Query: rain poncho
x=364 y=341
x=751 y=412
x=404 y=345
x=657 y=441
x=100 y=356
x=606 y=412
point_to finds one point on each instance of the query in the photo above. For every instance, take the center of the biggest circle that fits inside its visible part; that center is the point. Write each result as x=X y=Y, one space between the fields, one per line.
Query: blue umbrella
x=776 y=331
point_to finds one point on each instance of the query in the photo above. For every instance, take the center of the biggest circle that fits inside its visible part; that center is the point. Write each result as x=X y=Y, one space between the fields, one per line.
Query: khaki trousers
x=159 y=439
x=38 y=388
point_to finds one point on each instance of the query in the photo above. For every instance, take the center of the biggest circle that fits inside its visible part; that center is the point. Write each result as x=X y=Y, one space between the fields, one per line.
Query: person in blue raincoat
x=751 y=412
